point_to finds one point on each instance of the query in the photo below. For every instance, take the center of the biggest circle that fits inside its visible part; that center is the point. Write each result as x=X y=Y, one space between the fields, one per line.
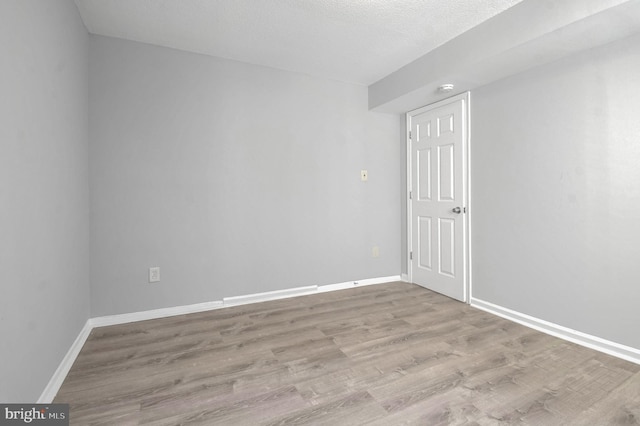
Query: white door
x=437 y=196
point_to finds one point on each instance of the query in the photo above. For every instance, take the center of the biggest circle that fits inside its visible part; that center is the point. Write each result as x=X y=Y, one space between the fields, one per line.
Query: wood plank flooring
x=390 y=354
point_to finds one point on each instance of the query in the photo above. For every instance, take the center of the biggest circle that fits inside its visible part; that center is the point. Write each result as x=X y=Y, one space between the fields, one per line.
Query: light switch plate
x=154 y=274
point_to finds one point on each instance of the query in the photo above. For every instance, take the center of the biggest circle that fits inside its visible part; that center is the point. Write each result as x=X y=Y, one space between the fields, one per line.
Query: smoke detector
x=445 y=88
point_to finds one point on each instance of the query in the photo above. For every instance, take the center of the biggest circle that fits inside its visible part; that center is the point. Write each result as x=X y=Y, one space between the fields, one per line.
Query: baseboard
x=380 y=280
x=351 y=284
x=233 y=301
x=593 y=342
x=404 y=277
x=61 y=372
x=269 y=295
x=155 y=313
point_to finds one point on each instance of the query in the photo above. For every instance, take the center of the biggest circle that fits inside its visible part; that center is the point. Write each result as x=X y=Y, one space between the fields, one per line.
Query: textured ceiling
x=357 y=41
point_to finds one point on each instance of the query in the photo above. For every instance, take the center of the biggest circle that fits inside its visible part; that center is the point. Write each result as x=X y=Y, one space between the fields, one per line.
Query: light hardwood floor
x=389 y=354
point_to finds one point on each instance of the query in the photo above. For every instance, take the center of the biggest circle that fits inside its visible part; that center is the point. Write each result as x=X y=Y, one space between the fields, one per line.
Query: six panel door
x=437 y=205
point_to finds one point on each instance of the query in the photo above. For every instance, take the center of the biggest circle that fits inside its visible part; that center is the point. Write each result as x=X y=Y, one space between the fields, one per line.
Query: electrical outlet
x=154 y=274
x=375 y=251
x=364 y=175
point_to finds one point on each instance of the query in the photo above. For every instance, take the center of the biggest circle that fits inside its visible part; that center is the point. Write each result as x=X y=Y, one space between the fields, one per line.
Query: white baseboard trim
x=269 y=295
x=404 y=277
x=232 y=301
x=380 y=280
x=351 y=284
x=593 y=342
x=61 y=372
x=155 y=313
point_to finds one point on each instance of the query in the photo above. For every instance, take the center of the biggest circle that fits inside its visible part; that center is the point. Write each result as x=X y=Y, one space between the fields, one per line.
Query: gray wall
x=233 y=178
x=44 y=218
x=556 y=192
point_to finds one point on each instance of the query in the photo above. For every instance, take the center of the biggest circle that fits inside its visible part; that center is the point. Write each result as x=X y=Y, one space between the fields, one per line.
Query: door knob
x=457 y=210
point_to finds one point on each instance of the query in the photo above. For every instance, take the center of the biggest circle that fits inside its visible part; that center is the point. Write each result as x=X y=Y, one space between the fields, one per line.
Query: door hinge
x=411 y=195
x=410 y=255
x=409 y=134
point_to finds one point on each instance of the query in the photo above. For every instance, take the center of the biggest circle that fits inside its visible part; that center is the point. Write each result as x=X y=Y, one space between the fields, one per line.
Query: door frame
x=466 y=192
